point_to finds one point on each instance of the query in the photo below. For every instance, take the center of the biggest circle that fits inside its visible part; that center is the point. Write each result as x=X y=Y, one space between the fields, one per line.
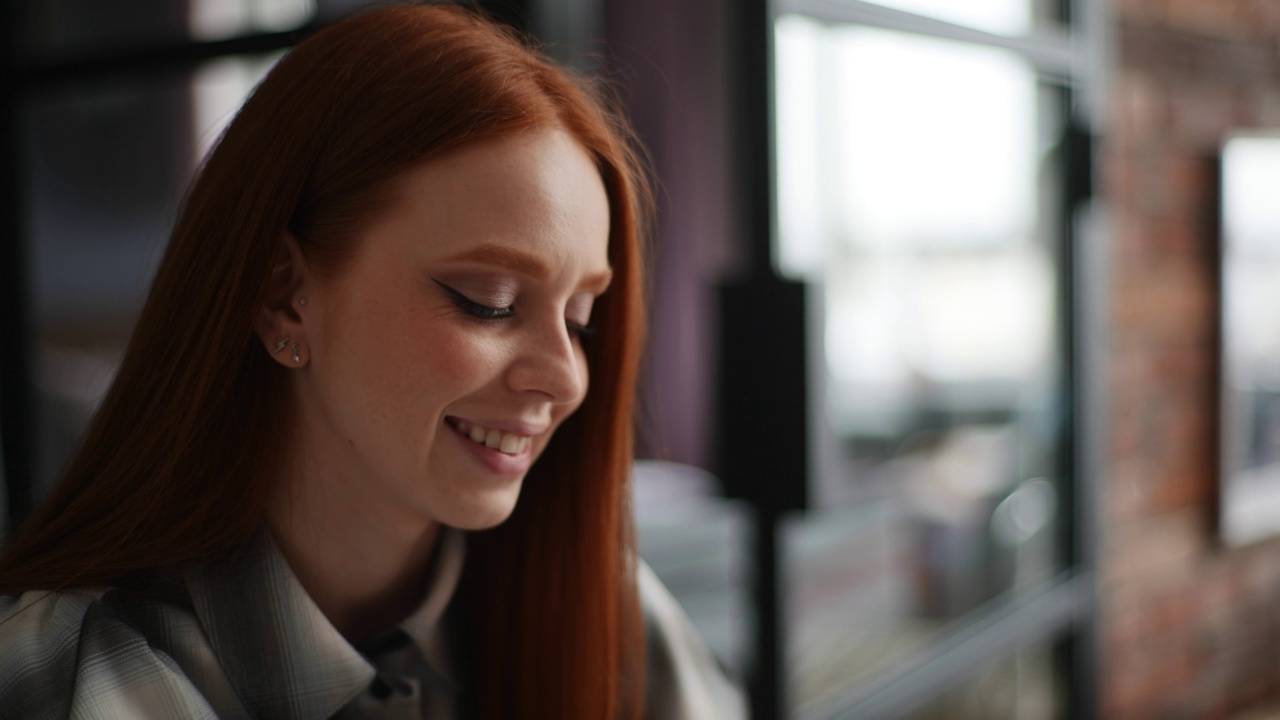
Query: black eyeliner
x=584 y=331
x=477 y=310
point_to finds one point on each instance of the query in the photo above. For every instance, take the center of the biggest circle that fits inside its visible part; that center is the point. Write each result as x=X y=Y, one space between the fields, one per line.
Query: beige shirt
x=251 y=643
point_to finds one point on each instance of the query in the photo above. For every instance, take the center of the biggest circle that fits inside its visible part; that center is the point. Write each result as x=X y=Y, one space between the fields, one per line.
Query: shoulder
x=683 y=677
x=78 y=653
x=39 y=646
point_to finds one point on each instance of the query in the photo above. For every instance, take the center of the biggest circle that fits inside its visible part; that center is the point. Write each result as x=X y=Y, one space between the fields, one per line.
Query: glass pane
x=1251 y=337
x=1003 y=17
x=106 y=166
x=918 y=193
x=1026 y=686
x=217 y=19
x=697 y=544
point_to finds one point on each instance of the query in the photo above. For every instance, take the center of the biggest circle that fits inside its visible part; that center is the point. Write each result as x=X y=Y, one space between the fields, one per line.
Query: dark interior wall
x=66 y=27
x=669 y=59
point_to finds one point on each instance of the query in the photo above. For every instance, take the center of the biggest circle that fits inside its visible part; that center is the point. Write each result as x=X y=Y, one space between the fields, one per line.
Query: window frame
x=1063 y=610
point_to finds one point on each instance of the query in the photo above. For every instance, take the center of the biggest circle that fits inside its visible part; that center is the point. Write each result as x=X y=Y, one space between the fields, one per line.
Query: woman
x=410 y=269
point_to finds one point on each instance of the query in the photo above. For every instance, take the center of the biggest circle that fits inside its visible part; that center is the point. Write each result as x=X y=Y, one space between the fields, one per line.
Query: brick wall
x=1189 y=629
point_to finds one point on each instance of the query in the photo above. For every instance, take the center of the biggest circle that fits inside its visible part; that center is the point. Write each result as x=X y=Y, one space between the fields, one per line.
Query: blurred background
x=961 y=394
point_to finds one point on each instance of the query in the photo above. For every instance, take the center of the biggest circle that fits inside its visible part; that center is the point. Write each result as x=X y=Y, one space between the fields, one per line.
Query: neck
x=364 y=571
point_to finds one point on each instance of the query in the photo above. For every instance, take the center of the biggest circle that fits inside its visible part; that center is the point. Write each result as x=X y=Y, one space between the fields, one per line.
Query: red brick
x=1262 y=109
x=1200 y=116
x=1129 y=498
x=1217 y=18
x=1162 y=551
x=1191 y=184
x=1171 y=301
x=1141 y=11
x=1142 y=109
x=1263 y=17
x=1190 y=629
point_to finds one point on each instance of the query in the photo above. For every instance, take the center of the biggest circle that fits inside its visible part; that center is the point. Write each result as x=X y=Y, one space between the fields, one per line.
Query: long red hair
x=179 y=464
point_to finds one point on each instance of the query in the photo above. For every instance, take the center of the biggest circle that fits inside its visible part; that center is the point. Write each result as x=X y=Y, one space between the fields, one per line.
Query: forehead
x=539 y=191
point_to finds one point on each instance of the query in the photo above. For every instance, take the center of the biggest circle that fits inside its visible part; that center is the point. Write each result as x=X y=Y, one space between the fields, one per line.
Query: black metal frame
x=1077 y=652
x=762 y=456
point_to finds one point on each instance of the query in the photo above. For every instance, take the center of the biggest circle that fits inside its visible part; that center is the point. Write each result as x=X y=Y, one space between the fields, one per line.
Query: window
x=929 y=180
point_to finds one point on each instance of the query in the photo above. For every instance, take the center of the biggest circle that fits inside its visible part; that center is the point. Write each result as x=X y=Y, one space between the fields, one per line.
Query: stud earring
x=302 y=301
x=284 y=341
x=296 y=357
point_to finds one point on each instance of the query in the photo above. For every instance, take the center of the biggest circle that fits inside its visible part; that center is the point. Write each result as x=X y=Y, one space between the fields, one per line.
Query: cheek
x=445 y=357
x=401 y=364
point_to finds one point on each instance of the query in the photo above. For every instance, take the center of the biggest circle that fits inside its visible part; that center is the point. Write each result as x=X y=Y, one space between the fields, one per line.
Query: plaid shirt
x=252 y=644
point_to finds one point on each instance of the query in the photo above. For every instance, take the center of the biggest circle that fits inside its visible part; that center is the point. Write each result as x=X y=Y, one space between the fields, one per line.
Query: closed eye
x=577 y=314
x=582 y=331
x=477 y=310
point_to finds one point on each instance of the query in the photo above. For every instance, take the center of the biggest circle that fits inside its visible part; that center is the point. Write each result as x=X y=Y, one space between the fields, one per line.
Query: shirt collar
x=424 y=625
x=281 y=654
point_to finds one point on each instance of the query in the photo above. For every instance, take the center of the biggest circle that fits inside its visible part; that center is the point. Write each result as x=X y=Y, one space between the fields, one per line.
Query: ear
x=281 y=322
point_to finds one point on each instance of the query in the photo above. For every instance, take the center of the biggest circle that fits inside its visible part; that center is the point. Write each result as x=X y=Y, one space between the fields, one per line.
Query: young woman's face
x=442 y=359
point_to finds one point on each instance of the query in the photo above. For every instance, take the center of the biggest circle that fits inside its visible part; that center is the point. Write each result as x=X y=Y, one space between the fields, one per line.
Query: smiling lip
x=502 y=447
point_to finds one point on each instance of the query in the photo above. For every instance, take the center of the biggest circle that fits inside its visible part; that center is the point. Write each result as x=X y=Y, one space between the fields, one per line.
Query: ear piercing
x=283 y=343
x=302 y=301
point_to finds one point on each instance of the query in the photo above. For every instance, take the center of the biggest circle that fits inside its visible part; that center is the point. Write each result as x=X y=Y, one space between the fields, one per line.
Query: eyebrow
x=526 y=263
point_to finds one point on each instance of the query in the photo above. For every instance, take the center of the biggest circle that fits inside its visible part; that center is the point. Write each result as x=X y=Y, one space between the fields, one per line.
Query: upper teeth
x=504 y=442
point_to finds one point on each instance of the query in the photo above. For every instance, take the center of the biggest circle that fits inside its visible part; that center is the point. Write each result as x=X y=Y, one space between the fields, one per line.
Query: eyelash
x=582 y=331
x=475 y=309
x=484 y=312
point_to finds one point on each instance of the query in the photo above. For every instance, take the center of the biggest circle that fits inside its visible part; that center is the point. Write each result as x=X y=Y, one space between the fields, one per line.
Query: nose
x=549 y=362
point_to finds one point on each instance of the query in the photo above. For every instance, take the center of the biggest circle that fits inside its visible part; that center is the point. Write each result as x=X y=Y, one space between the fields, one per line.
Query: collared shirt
x=247 y=641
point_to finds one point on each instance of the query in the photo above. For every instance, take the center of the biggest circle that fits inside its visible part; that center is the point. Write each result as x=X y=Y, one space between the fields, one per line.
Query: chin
x=483 y=512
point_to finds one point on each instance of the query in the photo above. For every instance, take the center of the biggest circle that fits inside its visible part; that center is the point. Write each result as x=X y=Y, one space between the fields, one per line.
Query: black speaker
x=762 y=443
